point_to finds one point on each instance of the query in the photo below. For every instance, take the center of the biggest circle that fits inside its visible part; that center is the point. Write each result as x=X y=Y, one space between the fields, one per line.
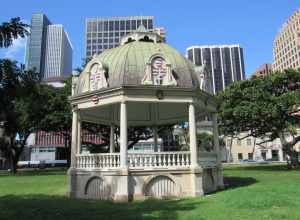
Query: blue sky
x=250 y=23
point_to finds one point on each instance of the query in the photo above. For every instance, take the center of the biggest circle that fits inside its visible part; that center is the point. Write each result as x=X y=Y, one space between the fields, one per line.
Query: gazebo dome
x=142 y=59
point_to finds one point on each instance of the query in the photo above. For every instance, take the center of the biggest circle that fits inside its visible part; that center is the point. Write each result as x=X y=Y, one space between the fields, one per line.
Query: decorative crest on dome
x=97 y=77
x=158 y=72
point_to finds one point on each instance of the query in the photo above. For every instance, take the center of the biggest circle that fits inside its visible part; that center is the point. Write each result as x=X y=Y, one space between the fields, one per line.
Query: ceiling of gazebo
x=140 y=113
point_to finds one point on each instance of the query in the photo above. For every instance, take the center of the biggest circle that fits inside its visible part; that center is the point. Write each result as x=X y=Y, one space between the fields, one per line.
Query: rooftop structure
x=263 y=70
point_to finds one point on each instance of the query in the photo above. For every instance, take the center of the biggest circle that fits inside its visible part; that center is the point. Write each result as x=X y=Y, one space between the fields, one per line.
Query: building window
x=240 y=156
x=275 y=155
x=248 y=141
x=117 y=23
x=250 y=156
x=238 y=142
x=111 y=25
x=133 y=25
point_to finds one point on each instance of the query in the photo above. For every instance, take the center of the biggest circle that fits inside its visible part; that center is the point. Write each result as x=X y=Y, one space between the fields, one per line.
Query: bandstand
x=143 y=82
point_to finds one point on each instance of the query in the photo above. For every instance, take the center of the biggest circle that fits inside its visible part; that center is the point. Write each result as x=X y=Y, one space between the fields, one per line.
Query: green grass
x=254 y=192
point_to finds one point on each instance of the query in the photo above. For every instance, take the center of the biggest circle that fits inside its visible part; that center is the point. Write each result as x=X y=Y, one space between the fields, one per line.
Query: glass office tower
x=49 y=50
x=225 y=62
x=105 y=33
x=36 y=43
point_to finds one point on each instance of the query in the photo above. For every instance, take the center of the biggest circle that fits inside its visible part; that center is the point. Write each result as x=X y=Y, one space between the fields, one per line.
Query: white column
x=193 y=138
x=74 y=137
x=78 y=136
x=111 y=139
x=155 y=137
x=123 y=135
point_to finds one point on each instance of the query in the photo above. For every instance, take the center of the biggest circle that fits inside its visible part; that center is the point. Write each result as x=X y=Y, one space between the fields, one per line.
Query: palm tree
x=12 y=30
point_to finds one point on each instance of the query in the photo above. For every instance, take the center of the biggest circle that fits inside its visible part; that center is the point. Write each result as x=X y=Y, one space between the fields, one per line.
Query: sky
x=251 y=23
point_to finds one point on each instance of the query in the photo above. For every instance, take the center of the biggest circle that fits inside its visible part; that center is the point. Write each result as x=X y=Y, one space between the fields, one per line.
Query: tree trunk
x=293 y=161
x=15 y=156
x=288 y=148
x=68 y=149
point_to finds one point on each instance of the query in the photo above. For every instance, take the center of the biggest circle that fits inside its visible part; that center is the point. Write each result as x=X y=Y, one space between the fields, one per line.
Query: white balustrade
x=92 y=161
x=159 y=159
x=174 y=159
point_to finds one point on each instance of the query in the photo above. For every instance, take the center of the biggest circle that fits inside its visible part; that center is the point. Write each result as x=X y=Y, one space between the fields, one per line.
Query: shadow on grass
x=232 y=182
x=54 y=207
x=36 y=172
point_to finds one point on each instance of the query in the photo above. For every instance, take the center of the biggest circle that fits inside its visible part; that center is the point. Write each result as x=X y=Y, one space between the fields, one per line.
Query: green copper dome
x=130 y=65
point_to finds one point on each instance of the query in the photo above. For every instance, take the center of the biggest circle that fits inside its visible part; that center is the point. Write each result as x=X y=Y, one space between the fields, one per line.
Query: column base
x=122 y=193
x=220 y=181
x=73 y=182
x=196 y=181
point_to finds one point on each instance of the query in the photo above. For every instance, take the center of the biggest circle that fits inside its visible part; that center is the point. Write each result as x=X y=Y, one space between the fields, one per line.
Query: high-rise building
x=36 y=43
x=49 y=50
x=58 y=52
x=263 y=70
x=286 y=46
x=105 y=33
x=225 y=62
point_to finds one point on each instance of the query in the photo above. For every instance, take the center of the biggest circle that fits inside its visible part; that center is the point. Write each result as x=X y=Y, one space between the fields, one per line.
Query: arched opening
x=129 y=40
x=96 y=189
x=161 y=187
x=146 y=39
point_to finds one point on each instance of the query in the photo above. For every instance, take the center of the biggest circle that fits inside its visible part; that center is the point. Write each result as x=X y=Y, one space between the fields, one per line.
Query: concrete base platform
x=126 y=185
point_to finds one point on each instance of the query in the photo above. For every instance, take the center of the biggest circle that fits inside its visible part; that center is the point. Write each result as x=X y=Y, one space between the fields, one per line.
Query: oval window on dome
x=97 y=77
x=158 y=70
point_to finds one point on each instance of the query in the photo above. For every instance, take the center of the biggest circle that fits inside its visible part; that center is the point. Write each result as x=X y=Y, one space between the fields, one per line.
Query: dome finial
x=141 y=28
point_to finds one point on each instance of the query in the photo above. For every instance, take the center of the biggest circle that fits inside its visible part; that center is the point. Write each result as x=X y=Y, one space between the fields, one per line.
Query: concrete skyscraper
x=225 y=62
x=286 y=50
x=49 y=49
x=105 y=33
x=58 y=52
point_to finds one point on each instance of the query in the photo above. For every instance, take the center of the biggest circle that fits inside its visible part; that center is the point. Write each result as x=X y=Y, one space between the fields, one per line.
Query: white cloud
x=16 y=50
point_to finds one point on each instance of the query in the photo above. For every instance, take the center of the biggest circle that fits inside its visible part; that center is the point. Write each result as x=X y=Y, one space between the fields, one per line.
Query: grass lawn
x=254 y=192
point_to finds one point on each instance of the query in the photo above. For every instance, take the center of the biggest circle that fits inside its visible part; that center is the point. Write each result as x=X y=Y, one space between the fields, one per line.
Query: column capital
x=75 y=108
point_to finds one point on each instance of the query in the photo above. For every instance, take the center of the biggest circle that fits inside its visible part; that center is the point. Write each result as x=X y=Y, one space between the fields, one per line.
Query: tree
x=206 y=141
x=11 y=30
x=265 y=108
x=23 y=103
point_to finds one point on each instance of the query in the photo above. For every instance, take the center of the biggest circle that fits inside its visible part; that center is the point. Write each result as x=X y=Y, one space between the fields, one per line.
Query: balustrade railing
x=90 y=161
x=159 y=159
x=144 y=160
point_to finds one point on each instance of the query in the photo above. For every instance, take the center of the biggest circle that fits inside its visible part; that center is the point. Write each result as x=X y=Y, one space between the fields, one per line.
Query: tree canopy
x=11 y=30
x=265 y=107
x=23 y=101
